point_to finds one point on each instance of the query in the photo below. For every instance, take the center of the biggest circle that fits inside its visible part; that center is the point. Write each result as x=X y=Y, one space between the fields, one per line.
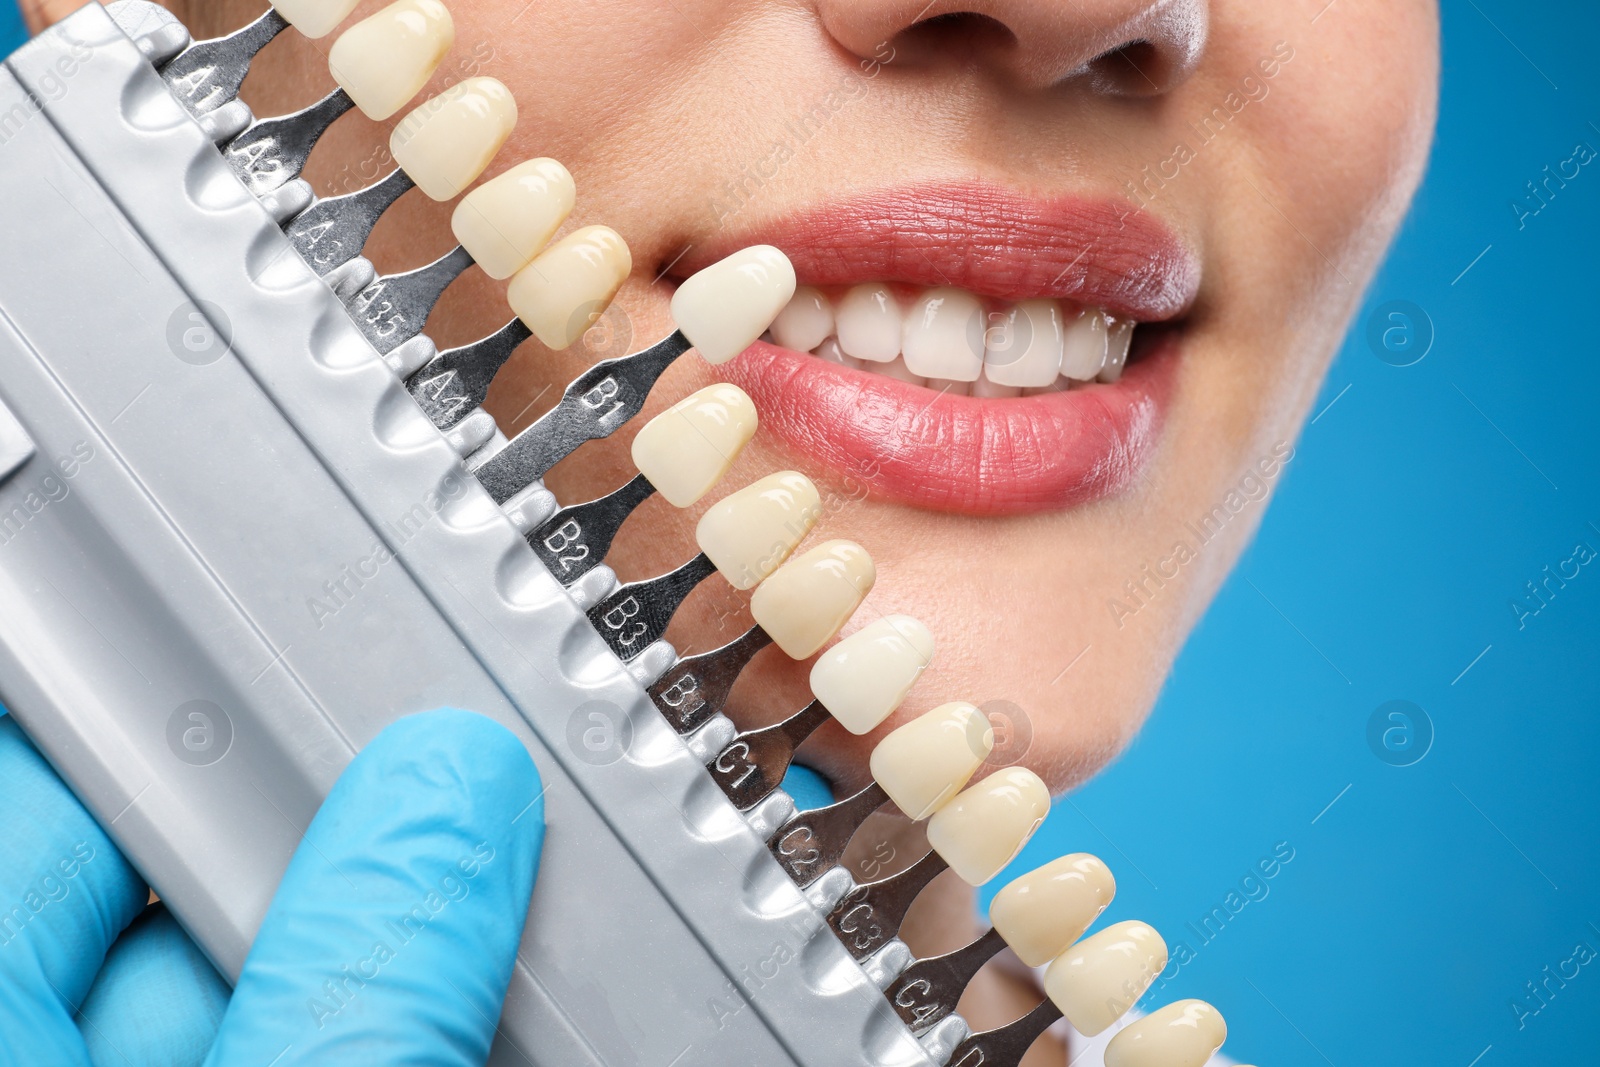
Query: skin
x=655 y=107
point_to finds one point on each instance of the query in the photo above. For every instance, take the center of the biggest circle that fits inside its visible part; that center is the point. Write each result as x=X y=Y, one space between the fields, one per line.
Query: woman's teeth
x=947 y=339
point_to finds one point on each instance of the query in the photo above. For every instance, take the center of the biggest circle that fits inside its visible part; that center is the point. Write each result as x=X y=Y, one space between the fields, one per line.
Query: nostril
x=964 y=31
x=1137 y=68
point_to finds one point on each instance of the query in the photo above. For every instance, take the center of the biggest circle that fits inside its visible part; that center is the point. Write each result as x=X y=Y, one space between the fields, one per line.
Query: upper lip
x=987 y=240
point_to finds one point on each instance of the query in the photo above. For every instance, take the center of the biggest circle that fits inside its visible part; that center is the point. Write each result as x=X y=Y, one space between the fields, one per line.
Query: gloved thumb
x=393 y=934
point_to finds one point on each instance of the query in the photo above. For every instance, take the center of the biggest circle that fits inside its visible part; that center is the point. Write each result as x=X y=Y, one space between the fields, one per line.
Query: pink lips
x=966 y=454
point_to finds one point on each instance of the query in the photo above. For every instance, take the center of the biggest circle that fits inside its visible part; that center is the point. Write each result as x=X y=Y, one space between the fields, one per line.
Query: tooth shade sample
x=863 y=678
x=506 y=221
x=805 y=322
x=1084 y=347
x=448 y=140
x=686 y=450
x=805 y=601
x=1046 y=910
x=562 y=292
x=1097 y=980
x=925 y=762
x=315 y=18
x=943 y=336
x=749 y=533
x=723 y=309
x=986 y=825
x=1118 y=341
x=1185 y=1034
x=385 y=59
x=870 y=324
x=1026 y=351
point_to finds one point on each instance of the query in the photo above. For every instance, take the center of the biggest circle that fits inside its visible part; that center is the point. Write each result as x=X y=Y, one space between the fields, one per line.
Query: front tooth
x=803 y=604
x=830 y=351
x=943 y=336
x=805 y=322
x=506 y=221
x=315 y=18
x=983 y=387
x=749 y=533
x=1084 y=349
x=984 y=828
x=1184 y=1034
x=1046 y=910
x=870 y=323
x=686 y=450
x=448 y=140
x=1027 y=351
x=562 y=292
x=1118 y=342
x=725 y=308
x=924 y=763
x=385 y=59
x=1095 y=981
x=896 y=368
x=863 y=678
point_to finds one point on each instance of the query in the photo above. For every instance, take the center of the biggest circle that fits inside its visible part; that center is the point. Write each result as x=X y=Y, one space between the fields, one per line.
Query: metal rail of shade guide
x=635 y=616
x=751 y=766
x=273 y=152
x=576 y=539
x=392 y=310
x=697 y=687
x=333 y=231
x=812 y=842
x=208 y=74
x=870 y=915
x=597 y=402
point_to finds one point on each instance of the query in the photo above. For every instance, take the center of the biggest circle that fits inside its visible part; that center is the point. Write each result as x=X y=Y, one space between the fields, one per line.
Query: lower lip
x=964 y=454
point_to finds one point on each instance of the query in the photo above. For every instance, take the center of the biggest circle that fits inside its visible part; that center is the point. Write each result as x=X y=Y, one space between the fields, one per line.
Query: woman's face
x=1225 y=174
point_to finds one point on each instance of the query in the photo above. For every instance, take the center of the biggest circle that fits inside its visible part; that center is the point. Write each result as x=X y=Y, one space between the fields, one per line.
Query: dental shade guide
x=595 y=405
x=1006 y=1045
x=696 y=688
x=456 y=381
x=812 y=843
x=869 y=916
x=636 y=615
x=929 y=989
x=309 y=422
x=207 y=74
x=273 y=151
x=334 y=230
x=393 y=309
x=751 y=767
x=575 y=540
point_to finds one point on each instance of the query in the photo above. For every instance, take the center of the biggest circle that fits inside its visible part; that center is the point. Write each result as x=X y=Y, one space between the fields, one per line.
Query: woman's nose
x=1124 y=47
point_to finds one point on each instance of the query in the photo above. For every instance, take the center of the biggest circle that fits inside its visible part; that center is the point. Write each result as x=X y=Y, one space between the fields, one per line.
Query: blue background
x=1420 y=502
x=1420 y=899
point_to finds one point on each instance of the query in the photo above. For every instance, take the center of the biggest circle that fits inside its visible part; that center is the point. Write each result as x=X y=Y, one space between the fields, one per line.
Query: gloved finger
x=157 y=1002
x=65 y=895
x=392 y=936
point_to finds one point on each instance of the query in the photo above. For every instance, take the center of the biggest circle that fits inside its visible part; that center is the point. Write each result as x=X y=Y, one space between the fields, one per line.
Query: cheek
x=1346 y=148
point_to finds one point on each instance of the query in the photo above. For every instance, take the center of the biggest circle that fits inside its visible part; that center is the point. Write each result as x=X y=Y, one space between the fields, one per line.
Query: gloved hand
x=390 y=940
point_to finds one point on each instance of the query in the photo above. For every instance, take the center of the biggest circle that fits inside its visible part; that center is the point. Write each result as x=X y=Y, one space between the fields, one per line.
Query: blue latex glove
x=390 y=940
